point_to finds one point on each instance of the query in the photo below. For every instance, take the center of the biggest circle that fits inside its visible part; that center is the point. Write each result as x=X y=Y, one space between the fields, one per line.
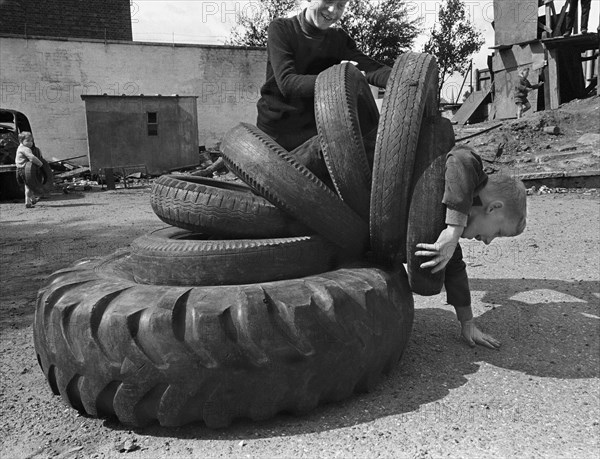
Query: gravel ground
x=538 y=396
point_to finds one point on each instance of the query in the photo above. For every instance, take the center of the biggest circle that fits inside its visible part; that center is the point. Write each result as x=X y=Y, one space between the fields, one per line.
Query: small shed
x=159 y=132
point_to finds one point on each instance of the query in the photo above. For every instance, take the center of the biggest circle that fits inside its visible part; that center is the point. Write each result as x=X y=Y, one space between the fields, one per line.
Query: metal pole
x=471 y=73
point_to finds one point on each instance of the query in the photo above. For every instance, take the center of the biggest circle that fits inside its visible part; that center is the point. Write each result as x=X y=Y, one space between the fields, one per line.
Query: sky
x=210 y=22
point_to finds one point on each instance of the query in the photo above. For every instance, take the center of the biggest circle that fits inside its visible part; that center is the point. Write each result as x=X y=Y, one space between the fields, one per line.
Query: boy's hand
x=442 y=250
x=473 y=336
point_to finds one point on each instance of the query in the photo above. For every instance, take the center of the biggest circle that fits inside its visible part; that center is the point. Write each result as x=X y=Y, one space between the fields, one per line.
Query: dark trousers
x=572 y=14
x=309 y=153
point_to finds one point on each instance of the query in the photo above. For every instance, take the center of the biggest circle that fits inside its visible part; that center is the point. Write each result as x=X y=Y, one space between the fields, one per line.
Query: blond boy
x=25 y=154
x=477 y=207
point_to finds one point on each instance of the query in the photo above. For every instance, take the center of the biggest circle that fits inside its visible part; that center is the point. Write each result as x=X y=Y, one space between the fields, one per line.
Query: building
x=529 y=33
x=46 y=77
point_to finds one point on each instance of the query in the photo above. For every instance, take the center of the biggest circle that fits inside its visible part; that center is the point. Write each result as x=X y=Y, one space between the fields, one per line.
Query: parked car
x=12 y=123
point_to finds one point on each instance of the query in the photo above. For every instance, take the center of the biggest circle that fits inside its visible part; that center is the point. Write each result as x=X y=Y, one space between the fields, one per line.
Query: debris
x=69 y=452
x=518 y=126
x=211 y=169
x=590 y=138
x=478 y=133
x=205 y=159
x=553 y=130
x=35 y=453
x=567 y=148
x=500 y=149
x=128 y=446
x=242 y=444
x=544 y=190
x=73 y=173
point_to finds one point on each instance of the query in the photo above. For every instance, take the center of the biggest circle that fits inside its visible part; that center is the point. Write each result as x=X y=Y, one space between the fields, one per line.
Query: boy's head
x=523 y=72
x=26 y=138
x=324 y=13
x=503 y=210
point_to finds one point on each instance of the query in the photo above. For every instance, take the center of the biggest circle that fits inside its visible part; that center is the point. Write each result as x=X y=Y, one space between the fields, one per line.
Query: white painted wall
x=45 y=78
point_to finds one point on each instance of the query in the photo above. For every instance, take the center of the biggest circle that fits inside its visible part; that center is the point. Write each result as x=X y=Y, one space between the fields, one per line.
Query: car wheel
x=172 y=256
x=427 y=215
x=410 y=97
x=272 y=171
x=217 y=207
x=345 y=110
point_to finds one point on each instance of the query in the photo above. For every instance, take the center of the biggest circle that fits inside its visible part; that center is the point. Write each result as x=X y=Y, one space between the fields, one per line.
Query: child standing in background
x=25 y=154
x=522 y=88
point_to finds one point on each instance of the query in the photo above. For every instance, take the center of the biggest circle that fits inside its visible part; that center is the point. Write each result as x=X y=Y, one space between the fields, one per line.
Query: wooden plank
x=598 y=71
x=549 y=25
x=561 y=18
x=553 y=80
x=73 y=173
x=546 y=88
x=467 y=109
x=515 y=21
x=533 y=99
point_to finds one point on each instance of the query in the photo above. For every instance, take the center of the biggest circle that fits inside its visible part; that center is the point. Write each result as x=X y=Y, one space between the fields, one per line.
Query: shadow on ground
x=549 y=328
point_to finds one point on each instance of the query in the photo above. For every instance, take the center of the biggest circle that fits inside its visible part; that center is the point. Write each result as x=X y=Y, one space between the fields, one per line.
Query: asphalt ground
x=538 y=396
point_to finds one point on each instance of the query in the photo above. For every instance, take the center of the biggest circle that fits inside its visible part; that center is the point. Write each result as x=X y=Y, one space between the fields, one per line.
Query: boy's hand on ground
x=474 y=336
x=442 y=250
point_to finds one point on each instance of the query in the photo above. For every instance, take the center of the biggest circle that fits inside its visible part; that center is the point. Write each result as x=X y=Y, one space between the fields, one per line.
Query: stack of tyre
x=271 y=296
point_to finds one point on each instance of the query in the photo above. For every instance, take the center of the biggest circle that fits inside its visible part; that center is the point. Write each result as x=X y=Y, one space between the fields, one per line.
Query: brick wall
x=97 y=19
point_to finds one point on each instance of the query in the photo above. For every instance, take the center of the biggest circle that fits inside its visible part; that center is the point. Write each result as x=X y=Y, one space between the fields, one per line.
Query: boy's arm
x=458 y=294
x=283 y=64
x=376 y=73
x=38 y=153
x=442 y=250
x=30 y=156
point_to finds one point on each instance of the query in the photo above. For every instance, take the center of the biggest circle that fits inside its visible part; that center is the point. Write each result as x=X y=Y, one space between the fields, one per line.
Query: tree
x=254 y=18
x=453 y=40
x=381 y=28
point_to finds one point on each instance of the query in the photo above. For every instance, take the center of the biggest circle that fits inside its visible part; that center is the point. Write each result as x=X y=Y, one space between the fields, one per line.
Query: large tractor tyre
x=410 y=97
x=219 y=208
x=172 y=256
x=427 y=215
x=345 y=110
x=146 y=353
x=277 y=176
x=39 y=178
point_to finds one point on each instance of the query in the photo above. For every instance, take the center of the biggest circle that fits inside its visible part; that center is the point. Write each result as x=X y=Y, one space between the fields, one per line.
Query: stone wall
x=45 y=78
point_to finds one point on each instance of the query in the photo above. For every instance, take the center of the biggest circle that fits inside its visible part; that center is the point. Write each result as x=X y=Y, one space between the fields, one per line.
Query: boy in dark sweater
x=298 y=49
x=477 y=207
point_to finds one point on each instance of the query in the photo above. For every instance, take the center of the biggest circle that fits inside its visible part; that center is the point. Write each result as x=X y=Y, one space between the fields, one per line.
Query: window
x=152 y=123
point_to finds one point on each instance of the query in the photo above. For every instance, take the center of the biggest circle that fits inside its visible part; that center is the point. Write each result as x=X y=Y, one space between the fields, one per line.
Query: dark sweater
x=464 y=179
x=522 y=88
x=296 y=53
